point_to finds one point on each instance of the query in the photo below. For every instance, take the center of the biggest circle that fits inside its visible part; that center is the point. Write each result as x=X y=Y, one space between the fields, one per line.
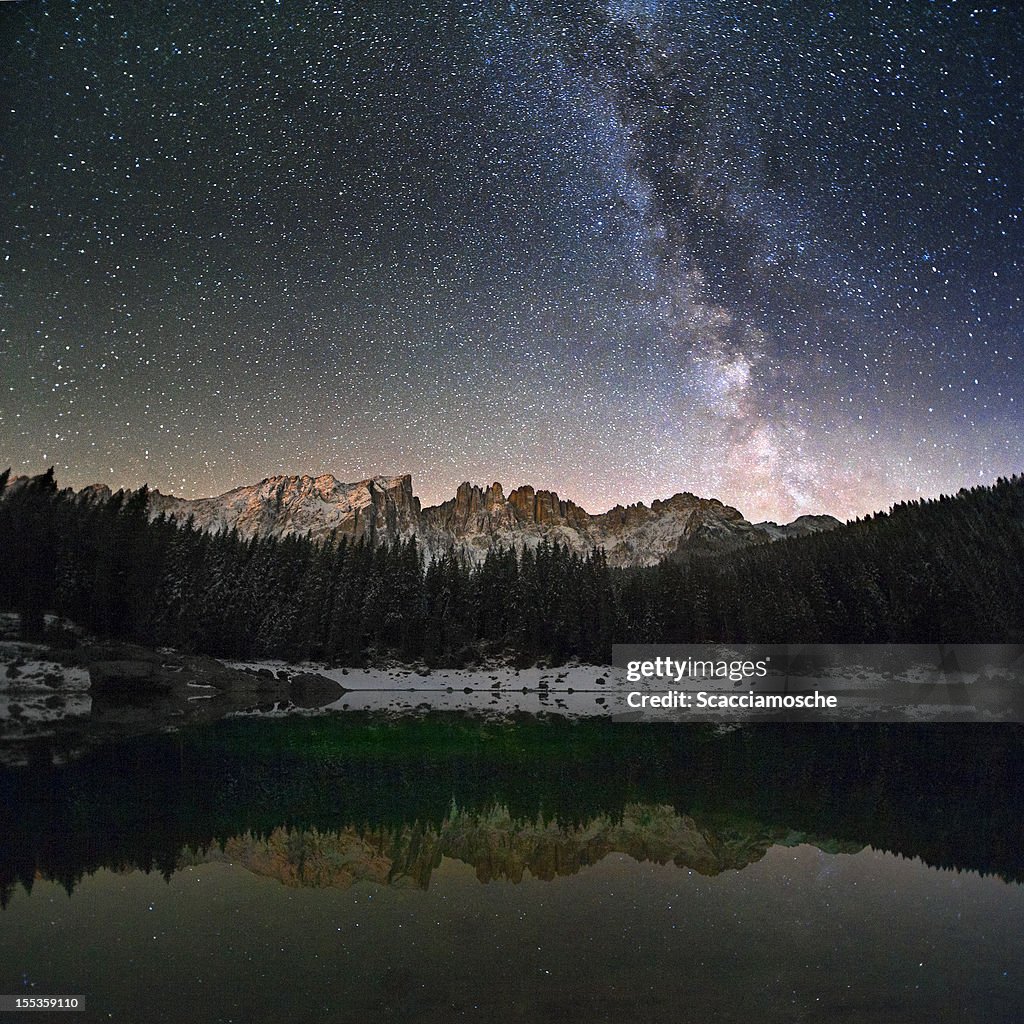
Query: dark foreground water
x=444 y=869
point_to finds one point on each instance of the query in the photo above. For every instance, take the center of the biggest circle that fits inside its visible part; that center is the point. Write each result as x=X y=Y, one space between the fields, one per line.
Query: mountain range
x=498 y=846
x=476 y=520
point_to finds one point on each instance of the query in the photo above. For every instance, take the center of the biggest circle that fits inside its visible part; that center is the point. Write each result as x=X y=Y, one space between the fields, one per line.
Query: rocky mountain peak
x=477 y=519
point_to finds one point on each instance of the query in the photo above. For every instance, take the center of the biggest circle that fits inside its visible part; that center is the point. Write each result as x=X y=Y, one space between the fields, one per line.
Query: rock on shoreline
x=111 y=688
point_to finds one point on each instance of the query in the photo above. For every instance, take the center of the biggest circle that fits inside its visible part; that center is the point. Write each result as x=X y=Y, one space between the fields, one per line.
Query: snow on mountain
x=473 y=522
x=800 y=527
x=316 y=506
x=470 y=524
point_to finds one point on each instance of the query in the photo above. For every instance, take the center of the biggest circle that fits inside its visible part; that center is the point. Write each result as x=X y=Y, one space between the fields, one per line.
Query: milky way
x=766 y=252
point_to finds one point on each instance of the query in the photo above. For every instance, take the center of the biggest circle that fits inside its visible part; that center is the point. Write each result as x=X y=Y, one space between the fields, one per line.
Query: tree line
x=925 y=793
x=944 y=570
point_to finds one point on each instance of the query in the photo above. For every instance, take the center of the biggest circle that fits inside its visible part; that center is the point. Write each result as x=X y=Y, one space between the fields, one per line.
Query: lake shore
x=84 y=688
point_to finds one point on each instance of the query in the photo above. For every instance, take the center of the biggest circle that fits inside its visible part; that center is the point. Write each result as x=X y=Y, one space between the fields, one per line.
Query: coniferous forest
x=949 y=570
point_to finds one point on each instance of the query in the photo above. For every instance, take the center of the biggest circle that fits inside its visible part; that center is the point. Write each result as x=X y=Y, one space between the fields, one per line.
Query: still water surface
x=444 y=869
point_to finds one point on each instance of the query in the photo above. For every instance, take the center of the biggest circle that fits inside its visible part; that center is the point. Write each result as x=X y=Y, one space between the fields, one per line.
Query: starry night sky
x=768 y=252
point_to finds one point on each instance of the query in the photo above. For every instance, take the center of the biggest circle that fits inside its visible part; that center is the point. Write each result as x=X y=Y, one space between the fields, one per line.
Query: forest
x=950 y=569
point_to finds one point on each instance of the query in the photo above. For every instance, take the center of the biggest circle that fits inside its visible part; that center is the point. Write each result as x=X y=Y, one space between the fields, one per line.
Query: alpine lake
x=447 y=861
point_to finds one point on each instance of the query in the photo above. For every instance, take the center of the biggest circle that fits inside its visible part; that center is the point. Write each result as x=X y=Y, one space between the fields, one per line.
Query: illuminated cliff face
x=472 y=523
x=495 y=845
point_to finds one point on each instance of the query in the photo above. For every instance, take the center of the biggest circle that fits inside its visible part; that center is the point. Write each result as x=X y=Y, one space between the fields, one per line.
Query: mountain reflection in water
x=329 y=801
x=331 y=869
x=496 y=846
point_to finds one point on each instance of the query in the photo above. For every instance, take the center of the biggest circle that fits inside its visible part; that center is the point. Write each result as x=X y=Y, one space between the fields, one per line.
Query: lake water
x=362 y=867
